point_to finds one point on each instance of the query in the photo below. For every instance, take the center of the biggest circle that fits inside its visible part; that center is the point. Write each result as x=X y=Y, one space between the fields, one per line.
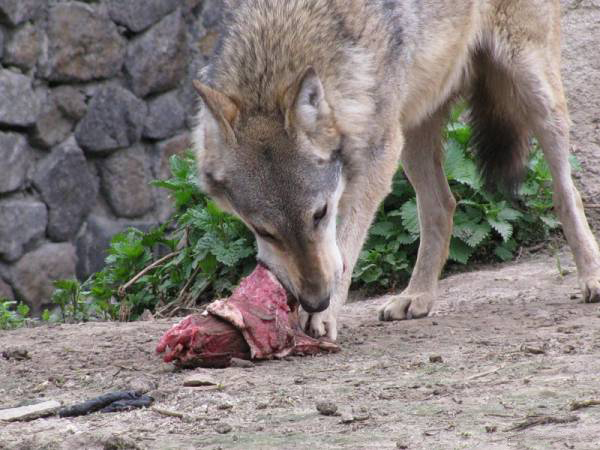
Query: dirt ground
x=505 y=344
x=514 y=340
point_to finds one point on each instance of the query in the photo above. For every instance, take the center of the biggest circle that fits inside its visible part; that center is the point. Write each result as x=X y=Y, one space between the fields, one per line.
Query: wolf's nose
x=314 y=307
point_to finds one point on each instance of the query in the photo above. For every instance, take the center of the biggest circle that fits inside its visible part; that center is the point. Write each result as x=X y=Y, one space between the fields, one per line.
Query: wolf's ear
x=222 y=108
x=305 y=102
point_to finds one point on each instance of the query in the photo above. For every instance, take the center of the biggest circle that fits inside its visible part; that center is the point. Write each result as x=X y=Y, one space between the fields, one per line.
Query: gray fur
x=313 y=102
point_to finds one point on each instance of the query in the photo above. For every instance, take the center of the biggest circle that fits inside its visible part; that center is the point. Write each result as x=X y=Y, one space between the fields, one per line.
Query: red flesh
x=256 y=322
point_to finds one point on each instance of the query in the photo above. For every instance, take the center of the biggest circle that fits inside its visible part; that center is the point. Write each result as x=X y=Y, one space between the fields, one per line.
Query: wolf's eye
x=264 y=234
x=319 y=215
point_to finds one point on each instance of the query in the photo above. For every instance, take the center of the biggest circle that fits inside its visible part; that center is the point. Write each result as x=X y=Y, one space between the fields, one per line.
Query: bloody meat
x=256 y=322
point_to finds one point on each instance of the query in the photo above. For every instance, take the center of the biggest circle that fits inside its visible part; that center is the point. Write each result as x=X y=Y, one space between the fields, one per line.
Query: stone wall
x=94 y=98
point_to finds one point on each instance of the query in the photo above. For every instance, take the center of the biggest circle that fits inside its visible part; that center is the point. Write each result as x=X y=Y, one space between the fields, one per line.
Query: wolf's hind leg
x=422 y=159
x=529 y=62
x=551 y=127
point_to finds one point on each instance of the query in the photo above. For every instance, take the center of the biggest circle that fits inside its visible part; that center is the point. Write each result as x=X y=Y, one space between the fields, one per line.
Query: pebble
x=17 y=353
x=491 y=428
x=199 y=379
x=223 y=428
x=327 y=408
x=347 y=417
x=241 y=363
x=436 y=359
x=569 y=349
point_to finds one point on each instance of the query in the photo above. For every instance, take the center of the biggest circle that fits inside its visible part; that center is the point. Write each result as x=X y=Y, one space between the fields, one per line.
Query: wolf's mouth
x=293 y=302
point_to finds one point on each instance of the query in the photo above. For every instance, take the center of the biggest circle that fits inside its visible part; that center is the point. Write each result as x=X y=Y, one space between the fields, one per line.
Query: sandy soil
x=514 y=340
x=504 y=344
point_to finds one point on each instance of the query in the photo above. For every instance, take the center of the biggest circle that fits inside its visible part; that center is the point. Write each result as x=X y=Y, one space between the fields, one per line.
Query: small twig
x=176 y=303
x=484 y=374
x=519 y=254
x=583 y=404
x=147 y=269
x=541 y=420
x=188 y=283
x=167 y=412
x=122 y=367
x=592 y=205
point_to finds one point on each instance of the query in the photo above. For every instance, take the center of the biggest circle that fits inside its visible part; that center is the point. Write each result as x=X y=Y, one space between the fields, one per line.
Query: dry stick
x=167 y=412
x=147 y=269
x=484 y=374
x=592 y=205
x=188 y=283
x=180 y=296
x=541 y=420
x=583 y=404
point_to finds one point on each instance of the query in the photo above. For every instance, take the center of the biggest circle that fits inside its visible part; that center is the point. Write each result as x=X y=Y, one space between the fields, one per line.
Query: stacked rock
x=94 y=99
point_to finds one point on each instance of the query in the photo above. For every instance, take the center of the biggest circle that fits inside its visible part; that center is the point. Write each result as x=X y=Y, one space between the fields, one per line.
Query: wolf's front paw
x=406 y=306
x=319 y=324
x=591 y=289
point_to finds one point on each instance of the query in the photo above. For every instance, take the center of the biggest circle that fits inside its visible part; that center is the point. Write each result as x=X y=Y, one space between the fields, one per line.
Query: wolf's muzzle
x=314 y=307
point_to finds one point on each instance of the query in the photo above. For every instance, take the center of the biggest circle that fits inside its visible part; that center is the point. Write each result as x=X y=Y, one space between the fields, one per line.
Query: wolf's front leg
x=358 y=205
x=422 y=163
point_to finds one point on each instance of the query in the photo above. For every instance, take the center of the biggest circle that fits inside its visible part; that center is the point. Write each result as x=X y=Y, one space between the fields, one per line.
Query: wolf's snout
x=312 y=306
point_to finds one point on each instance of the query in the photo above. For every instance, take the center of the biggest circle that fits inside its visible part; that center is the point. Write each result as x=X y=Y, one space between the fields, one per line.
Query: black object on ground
x=111 y=402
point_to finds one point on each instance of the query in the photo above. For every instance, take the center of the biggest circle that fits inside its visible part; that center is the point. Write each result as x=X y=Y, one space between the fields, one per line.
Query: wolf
x=309 y=106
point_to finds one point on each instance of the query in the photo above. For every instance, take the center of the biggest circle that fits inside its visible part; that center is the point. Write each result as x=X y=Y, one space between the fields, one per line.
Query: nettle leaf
x=529 y=187
x=410 y=216
x=504 y=229
x=459 y=251
x=231 y=253
x=575 y=164
x=505 y=251
x=459 y=168
x=384 y=229
x=509 y=214
x=371 y=274
x=459 y=132
x=406 y=239
x=456 y=112
x=550 y=221
x=223 y=248
x=477 y=234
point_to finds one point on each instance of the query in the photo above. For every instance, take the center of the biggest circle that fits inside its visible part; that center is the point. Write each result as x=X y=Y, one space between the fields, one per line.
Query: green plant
x=487 y=225
x=11 y=316
x=201 y=253
x=74 y=307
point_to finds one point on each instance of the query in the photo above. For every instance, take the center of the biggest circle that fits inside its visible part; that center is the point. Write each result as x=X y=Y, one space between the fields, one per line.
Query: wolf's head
x=280 y=173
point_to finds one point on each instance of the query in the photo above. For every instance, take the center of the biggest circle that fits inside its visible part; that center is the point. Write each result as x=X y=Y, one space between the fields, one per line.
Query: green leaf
x=505 y=251
x=410 y=216
x=459 y=168
x=460 y=133
x=406 y=239
x=479 y=233
x=505 y=229
x=550 y=221
x=507 y=214
x=459 y=251
x=384 y=229
x=371 y=273
x=575 y=164
x=23 y=310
